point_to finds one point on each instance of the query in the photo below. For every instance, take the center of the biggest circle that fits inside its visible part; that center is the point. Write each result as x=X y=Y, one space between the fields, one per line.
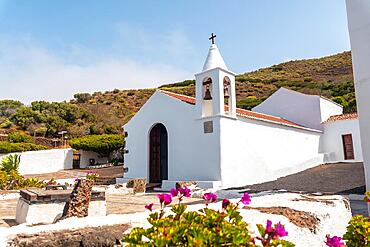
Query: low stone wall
x=44 y=161
x=37 y=206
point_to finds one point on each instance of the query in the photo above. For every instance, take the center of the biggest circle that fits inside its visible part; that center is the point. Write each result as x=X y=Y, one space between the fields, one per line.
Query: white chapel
x=208 y=139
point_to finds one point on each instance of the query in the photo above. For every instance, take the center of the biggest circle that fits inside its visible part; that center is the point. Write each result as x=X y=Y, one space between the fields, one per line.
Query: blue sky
x=52 y=49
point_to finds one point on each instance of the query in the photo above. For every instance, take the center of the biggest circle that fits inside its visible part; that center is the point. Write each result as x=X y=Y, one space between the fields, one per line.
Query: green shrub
x=249 y=102
x=19 y=137
x=179 y=84
x=205 y=227
x=82 y=97
x=3 y=179
x=8 y=147
x=102 y=144
x=340 y=100
x=10 y=179
x=14 y=181
x=358 y=232
x=10 y=163
x=6 y=124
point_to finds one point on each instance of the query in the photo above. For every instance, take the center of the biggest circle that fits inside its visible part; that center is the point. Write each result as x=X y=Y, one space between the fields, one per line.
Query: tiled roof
x=242 y=112
x=347 y=116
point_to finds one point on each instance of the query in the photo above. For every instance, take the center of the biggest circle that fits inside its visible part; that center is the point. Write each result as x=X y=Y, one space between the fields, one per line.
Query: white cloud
x=30 y=72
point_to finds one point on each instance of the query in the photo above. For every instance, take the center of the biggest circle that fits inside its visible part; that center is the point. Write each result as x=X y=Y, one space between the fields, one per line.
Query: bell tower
x=215 y=86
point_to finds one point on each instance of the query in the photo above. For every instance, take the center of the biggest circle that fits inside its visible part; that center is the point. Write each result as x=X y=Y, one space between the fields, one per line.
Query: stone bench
x=37 y=206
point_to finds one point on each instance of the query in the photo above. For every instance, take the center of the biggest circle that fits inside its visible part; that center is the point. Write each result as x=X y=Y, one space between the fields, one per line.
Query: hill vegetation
x=105 y=113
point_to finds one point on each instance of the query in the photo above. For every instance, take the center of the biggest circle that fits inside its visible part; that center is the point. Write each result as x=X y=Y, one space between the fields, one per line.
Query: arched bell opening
x=227 y=92
x=207 y=89
x=207 y=95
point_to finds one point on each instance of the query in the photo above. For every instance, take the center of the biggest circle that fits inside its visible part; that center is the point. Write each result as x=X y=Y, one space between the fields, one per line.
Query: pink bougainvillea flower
x=210 y=197
x=269 y=229
x=225 y=203
x=246 y=199
x=174 y=192
x=164 y=198
x=334 y=241
x=149 y=206
x=280 y=230
x=185 y=191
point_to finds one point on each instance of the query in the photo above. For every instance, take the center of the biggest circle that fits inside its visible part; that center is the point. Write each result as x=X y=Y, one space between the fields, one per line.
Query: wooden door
x=348 y=147
x=76 y=161
x=155 y=155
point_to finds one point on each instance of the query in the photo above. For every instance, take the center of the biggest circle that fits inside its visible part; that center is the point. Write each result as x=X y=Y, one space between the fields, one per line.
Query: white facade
x=358 y=13
x=44 y=161
x=87 y=155
x=219 y=144
x=307 y=110
x=184 y=139
x=255 y=151
x=332 y=141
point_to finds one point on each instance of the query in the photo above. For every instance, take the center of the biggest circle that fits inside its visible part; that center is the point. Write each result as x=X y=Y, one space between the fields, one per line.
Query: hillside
x=106 y=112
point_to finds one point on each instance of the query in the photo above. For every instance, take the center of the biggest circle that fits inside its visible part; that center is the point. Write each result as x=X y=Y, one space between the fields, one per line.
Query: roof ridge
x=243 y=112
x=341 y=117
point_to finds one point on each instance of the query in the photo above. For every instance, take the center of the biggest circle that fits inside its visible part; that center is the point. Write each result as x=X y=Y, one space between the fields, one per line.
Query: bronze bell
x=226 y=92
x=207 y=94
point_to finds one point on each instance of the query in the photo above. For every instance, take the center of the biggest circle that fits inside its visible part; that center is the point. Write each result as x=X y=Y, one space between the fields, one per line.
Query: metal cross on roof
x=213 y=36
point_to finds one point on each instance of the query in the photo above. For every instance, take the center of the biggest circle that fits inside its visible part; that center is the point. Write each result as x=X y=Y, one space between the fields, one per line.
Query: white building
x=179 y=138
x=303 y=109
x=341 y=140
x=359 y=30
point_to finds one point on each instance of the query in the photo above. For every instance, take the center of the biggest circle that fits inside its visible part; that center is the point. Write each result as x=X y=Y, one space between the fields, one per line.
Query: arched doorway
x=158 y=154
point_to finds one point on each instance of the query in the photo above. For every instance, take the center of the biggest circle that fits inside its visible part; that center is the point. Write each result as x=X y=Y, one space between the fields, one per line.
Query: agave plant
x=10 y=163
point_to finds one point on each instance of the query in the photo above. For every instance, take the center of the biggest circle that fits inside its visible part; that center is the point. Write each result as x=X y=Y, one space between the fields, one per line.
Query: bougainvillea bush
x=205 y=227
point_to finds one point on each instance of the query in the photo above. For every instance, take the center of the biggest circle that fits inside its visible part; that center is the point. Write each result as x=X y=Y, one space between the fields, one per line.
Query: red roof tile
x=241 y=112
x=347 y=116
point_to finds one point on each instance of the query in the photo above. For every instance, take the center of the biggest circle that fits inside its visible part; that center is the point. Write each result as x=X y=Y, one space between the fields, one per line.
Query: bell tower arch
x=215 y=86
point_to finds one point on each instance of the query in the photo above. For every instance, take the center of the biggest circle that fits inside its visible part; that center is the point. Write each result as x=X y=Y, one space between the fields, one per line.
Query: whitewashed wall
x=329 y=108
x=358 y=13
x=87 y=155
x=332 y=143
x=44 y=161
x=192 y=155
x=240 y=153
x=253 y=151
x=306 y=110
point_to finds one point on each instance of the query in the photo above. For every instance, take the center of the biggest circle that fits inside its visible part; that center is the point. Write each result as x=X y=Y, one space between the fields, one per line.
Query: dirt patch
x=299 y=218
x=103 y=236
x=328 y=202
